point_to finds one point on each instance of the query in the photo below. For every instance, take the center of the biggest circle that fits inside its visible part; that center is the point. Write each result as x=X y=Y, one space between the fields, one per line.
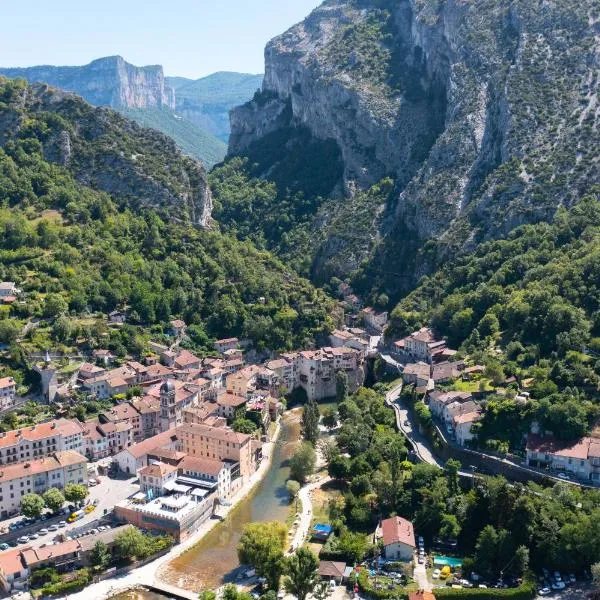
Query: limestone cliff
x=105 y=151
x=109 y=81
x=485 y=113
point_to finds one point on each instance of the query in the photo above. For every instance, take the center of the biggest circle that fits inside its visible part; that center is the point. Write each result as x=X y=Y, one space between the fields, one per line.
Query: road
x=405 y=424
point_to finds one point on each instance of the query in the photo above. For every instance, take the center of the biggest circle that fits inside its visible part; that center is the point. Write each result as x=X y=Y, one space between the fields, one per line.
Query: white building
x=28 y=443
x=398 y=536
x=38 y=476
x=8 y=392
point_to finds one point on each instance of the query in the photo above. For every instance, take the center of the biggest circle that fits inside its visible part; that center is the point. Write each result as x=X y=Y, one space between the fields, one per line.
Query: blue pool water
x=444 y=561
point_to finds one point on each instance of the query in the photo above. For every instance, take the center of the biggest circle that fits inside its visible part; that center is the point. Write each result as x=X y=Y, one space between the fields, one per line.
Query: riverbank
x=151 y=574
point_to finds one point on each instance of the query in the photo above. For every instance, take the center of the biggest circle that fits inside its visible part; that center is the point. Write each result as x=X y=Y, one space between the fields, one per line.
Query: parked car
x=421 y=551
x=421 y=541
x=43 y=531
x=564 y=476
x=545 y=591
x=436 y=574
x=421 y=559
x=558 y=585
x=465 y=583
x=34 y=536
x=53 y=527
x=23 y=539
x=4 y=546
x=572 y=578
x=62 y=524
x=557 y=576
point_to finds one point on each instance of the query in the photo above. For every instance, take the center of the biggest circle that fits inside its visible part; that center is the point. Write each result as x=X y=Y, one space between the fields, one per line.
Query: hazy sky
x=191 y=38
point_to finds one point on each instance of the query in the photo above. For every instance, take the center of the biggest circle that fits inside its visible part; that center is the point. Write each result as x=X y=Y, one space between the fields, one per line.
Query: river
x=213 y=561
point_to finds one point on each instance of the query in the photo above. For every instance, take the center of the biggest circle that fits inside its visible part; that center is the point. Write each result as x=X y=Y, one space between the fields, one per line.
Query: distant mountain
x=198 y=122
x=207 y=101
x=109 y=81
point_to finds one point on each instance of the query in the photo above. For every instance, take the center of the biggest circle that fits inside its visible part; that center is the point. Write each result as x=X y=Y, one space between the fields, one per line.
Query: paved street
x=405 y=424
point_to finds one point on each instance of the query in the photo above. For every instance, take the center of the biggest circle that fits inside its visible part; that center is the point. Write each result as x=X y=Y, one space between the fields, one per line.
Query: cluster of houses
x=174 y=431
x=428 y=362
x=17 y=564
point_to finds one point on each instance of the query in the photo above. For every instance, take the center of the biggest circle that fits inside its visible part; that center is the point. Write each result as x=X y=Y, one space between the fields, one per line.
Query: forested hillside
x=96 y=215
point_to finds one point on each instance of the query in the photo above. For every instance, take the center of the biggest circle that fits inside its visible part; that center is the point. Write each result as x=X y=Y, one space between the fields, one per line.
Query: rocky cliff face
x=485 y=113
x=105 y=151
x=109 y=81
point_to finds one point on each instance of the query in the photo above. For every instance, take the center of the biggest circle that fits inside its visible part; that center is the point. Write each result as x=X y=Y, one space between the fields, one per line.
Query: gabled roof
x=158 y=470
x=56 y=427
x=201 y=465
x=330 y=568
x=157 y=441
x=398 y=530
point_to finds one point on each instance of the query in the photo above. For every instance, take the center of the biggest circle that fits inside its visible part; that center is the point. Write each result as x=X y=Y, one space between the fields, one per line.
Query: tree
x=595 y=568
x=131 y=544
x=230 y=592
x=452 y=468
x=329 y=449
x=207 y=595
x=261 y=546
x=310 y=422
x=302 y=464
x=450 y=527
x=329 y=418
x=244 y=426
x=54 y=499
x=54 y=305
x=341 y=386
x=100 y=555
x=32 y=505
x=301 y=570
x=322 y=590
x=293 y=487
x=339 y=467
x=9 y=330
x=74 y=492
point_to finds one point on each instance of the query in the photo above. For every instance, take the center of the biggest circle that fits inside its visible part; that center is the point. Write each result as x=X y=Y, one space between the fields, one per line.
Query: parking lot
x=105 y=495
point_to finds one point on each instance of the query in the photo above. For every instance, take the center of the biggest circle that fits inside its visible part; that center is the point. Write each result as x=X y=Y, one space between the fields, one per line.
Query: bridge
x=171 y=590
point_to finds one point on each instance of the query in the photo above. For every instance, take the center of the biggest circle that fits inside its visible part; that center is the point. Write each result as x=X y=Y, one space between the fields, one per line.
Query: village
x=187 y=435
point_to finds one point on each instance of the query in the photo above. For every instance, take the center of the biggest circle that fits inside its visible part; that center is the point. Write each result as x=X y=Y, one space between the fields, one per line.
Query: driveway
x=420 y=576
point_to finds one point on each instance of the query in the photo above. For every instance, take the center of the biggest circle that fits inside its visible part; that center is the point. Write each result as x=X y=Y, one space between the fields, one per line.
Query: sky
x=190 y=38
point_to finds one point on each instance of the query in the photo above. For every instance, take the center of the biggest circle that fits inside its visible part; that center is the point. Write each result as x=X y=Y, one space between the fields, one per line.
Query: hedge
x=525 y=591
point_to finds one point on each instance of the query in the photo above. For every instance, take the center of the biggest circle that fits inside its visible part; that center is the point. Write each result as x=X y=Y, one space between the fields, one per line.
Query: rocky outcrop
x=485 y=113
x=109 y=81
x=105 y=151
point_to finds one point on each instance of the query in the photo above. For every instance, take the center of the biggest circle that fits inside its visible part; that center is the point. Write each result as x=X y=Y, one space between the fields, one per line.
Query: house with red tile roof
x=580 y=458
x=398 y=536
x=8 y=392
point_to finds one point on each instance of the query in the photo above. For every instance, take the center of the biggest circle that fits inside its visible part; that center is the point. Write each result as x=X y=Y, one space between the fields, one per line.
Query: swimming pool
x=439 y=559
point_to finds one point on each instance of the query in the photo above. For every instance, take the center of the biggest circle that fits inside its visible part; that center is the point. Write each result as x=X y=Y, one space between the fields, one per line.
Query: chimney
x=53 y=425
x=27 y=465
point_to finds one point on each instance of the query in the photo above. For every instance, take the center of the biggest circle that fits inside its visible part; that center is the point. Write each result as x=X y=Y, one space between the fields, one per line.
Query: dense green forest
x=502 y=527
x=72 y=247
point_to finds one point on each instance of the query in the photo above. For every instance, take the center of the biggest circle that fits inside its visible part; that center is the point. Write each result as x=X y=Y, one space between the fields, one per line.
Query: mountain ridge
x=464 y=105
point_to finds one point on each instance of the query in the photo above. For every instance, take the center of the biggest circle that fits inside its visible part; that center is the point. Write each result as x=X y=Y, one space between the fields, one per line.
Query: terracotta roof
x=178 y=323
x=57 y=460
x=220 y=433
x=469 y=417
x=201 y=465
x=227 y=341
x=6 y=382
x=34 y=556
x=330 y=568
x=121 y=412
x=158 y=470
x=56 y=427
x=228 y=399
x=143 y=448
x=185 y=359
x=397 y=529
x=582 y=449
x=424 y=335
x=147 y=404
x=158 y=370
x=279 y=363
x=167 y=454
x=11 y=561
x=419 y=369
x=420 y=595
